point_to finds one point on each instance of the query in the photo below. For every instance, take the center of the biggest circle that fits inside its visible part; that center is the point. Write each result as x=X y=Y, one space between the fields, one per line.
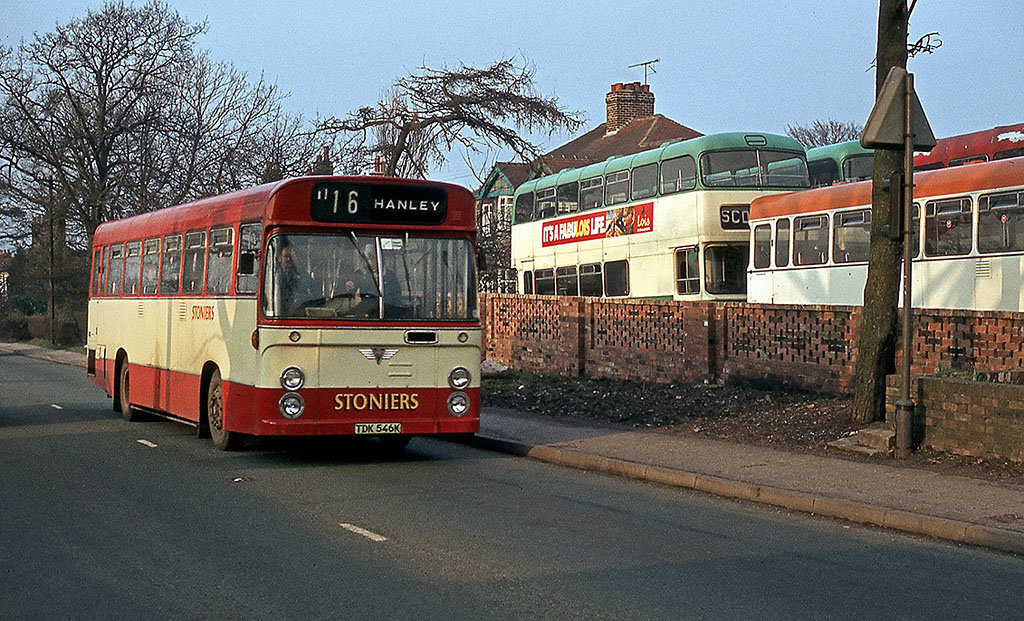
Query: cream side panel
x=179 y=334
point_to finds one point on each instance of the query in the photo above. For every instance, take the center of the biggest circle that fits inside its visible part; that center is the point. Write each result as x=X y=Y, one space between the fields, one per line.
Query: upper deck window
x=645 y=181
x=678 y=174
x=591 y=193
x=616 y=187
x=569 y=197
x=858 y=167
x=545 y=203
x=524 y=208
x=753 y=168
x=823 y=173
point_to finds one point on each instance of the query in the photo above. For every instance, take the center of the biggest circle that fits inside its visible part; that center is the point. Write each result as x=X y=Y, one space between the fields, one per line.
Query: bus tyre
x=223 y=440
x=129 y=413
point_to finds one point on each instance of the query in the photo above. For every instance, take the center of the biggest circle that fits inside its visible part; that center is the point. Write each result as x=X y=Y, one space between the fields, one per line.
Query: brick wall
x=980 y=419
x=812 y=347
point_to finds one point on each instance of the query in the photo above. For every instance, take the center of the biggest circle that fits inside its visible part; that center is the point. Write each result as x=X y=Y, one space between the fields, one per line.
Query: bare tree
x=821 y=133
x=425 y=115
x=71 y=97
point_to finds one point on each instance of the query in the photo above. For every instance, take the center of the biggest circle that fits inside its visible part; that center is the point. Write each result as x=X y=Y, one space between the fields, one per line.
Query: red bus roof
x=942 y=182
x=280 y=203
x=986 y=142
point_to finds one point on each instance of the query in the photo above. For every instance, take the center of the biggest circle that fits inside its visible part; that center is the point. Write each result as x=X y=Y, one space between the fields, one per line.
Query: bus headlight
x=459 y=378
x=291 y=405
x=292 y=378
x=458 y=404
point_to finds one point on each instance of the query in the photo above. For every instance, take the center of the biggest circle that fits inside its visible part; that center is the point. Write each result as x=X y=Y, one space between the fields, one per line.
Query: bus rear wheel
x=223 y=440
x=129 y=413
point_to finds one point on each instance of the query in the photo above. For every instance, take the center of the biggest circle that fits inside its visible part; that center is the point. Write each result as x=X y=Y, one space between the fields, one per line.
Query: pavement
x=943 y=506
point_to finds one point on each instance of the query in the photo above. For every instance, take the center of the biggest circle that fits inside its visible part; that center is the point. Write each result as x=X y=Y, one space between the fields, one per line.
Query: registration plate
x=378 y=428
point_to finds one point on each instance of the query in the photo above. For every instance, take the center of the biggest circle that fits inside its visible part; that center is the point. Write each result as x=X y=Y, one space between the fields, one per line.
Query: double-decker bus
x=667 y=223
x=812 y=247
x=311 y=306
x=847 y=162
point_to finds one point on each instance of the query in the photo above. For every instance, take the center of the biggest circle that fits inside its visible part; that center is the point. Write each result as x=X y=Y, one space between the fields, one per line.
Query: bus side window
x=524 y=208
x=616 y=278
x=687 y=271
x=170 y=266
x=218 y=277
x=545 y=281
x=810 y=243
x=762 y=246
x=527 y=283
x=591 y=280
x=566 y=281
x=782 y=242
x=97 y=271
x=132 y=268
x=116 y=270
x=150 y=266
x=591 y=193
x=248 y=257
x=194 y=262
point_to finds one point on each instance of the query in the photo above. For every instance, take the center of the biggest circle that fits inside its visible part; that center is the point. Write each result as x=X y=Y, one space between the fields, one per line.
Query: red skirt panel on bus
x=336 y=411
x=328 y=411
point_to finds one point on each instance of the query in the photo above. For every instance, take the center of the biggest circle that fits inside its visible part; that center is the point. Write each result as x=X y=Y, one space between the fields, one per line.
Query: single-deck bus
x=812 y=247
x=666 y=223
x=311 y=306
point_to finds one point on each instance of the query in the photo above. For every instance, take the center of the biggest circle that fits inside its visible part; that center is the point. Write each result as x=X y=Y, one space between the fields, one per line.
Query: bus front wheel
x=223 y=439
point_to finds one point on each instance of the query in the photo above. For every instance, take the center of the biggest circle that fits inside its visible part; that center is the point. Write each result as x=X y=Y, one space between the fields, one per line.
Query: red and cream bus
x=311 y=306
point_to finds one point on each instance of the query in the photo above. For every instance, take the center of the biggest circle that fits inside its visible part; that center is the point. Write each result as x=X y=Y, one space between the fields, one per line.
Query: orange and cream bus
x=311 y=306
x=812 y=247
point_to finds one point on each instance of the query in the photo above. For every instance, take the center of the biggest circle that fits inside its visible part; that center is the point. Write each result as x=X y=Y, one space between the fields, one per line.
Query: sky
x=727 y=65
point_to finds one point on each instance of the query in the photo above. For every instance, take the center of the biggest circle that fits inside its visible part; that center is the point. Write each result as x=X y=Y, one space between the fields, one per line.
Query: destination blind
x=373 y=203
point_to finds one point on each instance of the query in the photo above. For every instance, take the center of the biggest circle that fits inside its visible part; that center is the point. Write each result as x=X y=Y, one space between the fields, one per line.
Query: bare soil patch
x=781 y=418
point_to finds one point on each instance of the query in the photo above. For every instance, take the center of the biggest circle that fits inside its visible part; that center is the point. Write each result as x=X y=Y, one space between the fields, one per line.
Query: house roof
x=596 y=146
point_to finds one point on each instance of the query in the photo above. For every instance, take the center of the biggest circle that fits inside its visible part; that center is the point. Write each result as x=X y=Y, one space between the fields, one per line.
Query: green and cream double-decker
x=669 y=223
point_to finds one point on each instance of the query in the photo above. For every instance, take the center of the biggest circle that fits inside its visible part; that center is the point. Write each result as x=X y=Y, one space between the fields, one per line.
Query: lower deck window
x=687 y=271
x=810 y=240
x=725 y=269
x=590 y=280
x=852 y=236
x=616 y=278
x=544 y=280
x=528 y=282
x=566 y=282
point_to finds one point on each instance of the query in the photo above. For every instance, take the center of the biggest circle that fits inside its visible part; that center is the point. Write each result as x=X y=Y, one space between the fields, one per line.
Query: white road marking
x=365 y=533
x=55 y=406
x=146 y=443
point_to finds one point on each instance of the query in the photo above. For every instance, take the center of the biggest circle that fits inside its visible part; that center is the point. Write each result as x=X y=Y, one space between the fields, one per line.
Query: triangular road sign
x=884 y=128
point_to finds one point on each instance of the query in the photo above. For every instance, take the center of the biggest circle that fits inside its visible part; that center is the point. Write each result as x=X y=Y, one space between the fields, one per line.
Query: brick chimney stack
x=627 y=102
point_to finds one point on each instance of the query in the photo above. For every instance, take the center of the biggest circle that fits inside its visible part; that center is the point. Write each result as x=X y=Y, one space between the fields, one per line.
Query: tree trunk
x=876 y=349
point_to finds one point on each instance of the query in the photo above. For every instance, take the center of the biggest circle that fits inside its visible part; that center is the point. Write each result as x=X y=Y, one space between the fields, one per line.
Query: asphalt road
x=101 y=518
